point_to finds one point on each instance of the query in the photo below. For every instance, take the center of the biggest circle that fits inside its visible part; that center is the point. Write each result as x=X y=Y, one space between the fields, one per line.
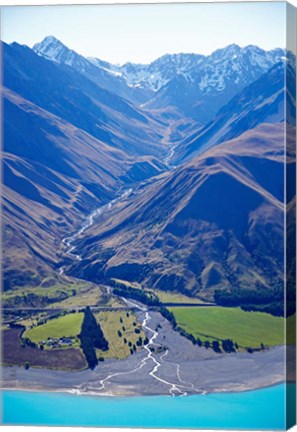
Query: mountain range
x=208 y=82
x=266 y=100
x=198 y=139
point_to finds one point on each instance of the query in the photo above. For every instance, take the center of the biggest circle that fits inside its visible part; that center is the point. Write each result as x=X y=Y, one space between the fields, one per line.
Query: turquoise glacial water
x=259 y=409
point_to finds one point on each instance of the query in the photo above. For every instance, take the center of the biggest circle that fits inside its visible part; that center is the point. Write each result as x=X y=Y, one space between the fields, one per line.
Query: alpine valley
x=143 y=215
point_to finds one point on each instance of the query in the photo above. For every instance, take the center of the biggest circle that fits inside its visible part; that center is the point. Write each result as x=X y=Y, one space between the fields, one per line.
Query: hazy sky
x=142 y=33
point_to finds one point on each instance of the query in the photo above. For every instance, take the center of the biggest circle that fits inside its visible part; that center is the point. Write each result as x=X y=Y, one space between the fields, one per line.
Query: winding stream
x=68 y=241
x=179 y=388
x=173 y=388
x=168 y=158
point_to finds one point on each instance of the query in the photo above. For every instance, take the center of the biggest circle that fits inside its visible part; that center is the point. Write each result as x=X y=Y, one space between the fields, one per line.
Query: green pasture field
x=68 y=325
x=248 y=329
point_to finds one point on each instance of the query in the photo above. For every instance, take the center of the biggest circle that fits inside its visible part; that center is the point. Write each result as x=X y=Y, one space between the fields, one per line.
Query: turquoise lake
x=260 y=409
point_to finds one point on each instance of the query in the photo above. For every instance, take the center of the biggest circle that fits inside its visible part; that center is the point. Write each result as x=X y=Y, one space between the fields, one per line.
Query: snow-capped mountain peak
x=186 y=75
x=53 y=49
x=50 y=48
x=226 y=66
x=51 y=39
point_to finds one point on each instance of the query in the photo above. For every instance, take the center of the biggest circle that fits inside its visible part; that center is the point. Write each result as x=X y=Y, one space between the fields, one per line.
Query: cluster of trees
x=17 y=326
x=133 y=346
x=168 y=315
x=258 y=299
x=23 y=341
x=140 y=341
x=91 y=337
x=28 y=342
x=136 y=294
x=226 y=345
x=20 y=278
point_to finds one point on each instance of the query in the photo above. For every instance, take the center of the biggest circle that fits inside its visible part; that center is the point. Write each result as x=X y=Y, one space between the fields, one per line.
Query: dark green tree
x=216 y=346
x=228 y=345
x=139 y=341
x=91 y=337
x=92 y=330
x=207 y=344
x=89 y=352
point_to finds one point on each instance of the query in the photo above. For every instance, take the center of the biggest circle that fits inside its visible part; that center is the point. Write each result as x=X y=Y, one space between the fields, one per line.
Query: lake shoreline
x=74 y=392
x=181 y=368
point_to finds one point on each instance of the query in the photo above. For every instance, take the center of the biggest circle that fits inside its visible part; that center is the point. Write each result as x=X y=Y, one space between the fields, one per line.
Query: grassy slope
x=174 y=297
x=164 y=296
x=196 y=237
x=89 y=295
x=110 y=324
x=127 y=283
x=17 y=297
x=32 y=319
x=60 y=296
x=248 y=329
x=67 y=325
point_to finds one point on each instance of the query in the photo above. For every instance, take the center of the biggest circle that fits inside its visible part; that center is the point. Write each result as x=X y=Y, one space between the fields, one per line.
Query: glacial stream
x=157 y=361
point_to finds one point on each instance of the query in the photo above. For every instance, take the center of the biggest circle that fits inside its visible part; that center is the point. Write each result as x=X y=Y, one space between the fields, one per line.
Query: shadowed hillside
x=216 y=223
x=69 y=147
x=267 y=100
x=190 y=181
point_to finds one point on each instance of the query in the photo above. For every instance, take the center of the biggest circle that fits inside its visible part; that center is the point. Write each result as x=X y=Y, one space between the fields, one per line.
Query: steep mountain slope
x=69 y=146
x=101 y=73
x=213 y=224
x=264 y=101
x=53 y=176
x=64 y=92
x=199 y=90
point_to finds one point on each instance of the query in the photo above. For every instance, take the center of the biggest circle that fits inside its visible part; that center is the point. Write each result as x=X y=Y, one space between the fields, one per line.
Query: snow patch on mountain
x=210 y=74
